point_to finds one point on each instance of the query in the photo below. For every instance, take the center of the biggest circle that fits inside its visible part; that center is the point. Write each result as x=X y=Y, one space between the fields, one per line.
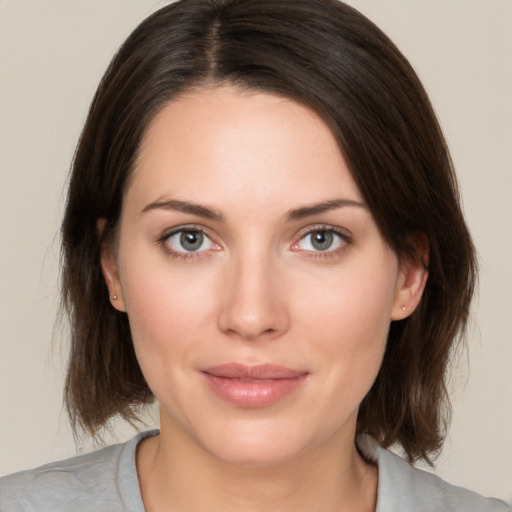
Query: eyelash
x=345 y=242
x=184 y=255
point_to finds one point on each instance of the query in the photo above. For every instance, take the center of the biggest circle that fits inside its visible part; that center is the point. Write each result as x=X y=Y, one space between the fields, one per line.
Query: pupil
x=322 y=240
x=191 y=241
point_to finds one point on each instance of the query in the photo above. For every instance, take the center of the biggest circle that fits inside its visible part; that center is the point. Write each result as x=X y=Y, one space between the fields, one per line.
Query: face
x=258 y=288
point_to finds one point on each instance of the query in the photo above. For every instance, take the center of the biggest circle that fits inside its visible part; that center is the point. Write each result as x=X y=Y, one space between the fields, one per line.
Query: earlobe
x=413 y=275
x=109 y=270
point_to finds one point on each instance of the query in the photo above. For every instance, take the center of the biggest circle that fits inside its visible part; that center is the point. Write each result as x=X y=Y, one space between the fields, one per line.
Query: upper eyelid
x=186 y=227
x=343 y=232
x=164 y=239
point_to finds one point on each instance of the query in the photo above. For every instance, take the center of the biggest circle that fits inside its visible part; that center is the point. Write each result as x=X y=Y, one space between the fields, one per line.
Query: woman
x=263 y=234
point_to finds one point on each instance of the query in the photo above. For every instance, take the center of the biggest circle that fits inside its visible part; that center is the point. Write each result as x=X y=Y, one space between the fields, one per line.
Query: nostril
x=253 y=328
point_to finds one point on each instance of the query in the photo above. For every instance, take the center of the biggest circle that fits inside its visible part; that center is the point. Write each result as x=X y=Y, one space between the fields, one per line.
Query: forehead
x=224 y=142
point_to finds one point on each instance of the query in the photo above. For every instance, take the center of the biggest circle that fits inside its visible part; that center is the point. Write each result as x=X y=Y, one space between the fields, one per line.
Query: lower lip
x=255 y=393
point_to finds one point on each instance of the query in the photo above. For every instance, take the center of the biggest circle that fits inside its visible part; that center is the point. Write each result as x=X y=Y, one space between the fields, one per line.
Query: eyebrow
x=185 y=207
x=212 y=214
x=314 y=209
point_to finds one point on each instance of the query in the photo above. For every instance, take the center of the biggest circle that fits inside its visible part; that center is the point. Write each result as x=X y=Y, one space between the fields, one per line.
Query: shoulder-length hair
x=329 y=57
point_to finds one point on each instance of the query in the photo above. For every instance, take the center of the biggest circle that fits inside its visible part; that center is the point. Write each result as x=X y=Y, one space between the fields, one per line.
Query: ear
x=412 y=279
x=109 y=269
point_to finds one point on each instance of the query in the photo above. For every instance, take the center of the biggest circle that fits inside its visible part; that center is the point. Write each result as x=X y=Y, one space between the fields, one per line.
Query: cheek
x=348 y=320
x=352 y=304
x=167 y=307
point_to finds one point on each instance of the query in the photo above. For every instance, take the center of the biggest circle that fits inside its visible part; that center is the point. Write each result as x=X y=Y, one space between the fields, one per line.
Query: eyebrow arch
x=185 y=207
x=333 y=204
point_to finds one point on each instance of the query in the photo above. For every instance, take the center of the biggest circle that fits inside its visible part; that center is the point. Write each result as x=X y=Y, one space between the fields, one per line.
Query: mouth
x=253 y=386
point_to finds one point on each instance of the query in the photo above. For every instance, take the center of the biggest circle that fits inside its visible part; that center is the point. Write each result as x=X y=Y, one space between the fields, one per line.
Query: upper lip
x=253 y=372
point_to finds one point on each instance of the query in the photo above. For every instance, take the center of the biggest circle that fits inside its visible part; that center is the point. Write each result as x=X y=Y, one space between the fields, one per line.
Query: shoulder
x=94 y=481
x=62 y=485
x=404 y=488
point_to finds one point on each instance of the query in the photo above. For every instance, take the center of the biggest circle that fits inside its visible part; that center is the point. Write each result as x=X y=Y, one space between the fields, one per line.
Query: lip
x=253 y=386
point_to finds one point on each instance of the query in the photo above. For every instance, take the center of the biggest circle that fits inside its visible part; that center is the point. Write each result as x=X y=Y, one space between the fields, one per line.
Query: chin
x=256 y=454
x=262 y=443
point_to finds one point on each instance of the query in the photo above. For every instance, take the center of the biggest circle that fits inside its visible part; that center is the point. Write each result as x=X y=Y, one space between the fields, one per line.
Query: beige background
x=52 y=55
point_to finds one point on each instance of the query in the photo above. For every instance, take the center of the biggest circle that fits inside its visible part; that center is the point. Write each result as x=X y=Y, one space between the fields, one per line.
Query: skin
x=257 y=291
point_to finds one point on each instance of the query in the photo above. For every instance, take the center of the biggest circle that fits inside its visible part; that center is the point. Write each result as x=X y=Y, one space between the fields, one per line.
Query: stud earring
x=404 y=309
x=114 y=297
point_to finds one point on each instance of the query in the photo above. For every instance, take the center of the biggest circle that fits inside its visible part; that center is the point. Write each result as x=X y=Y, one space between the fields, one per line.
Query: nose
x=253 y=299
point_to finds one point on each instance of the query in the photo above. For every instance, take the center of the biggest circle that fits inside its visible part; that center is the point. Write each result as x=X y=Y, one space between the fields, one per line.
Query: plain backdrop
x=52 y=55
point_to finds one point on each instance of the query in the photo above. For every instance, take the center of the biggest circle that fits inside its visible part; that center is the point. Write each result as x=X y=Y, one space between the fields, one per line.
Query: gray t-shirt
x=106 y=480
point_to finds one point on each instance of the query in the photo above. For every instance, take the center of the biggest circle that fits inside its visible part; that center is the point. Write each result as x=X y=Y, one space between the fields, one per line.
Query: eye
x=321 y=240
x=189 y=241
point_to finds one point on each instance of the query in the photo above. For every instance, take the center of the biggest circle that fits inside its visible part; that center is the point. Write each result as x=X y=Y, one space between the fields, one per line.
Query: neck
x=176 y=475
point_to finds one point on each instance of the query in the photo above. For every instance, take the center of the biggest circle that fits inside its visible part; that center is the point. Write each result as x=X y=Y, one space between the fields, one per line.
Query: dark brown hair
x=332 y=59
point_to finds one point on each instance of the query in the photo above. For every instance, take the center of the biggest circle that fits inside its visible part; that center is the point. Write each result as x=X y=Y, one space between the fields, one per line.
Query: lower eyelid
x=181 y=254
x=342 y=244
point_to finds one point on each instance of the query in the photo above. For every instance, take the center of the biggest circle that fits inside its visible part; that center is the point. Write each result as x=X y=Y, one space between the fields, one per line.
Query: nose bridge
x=253 y=303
